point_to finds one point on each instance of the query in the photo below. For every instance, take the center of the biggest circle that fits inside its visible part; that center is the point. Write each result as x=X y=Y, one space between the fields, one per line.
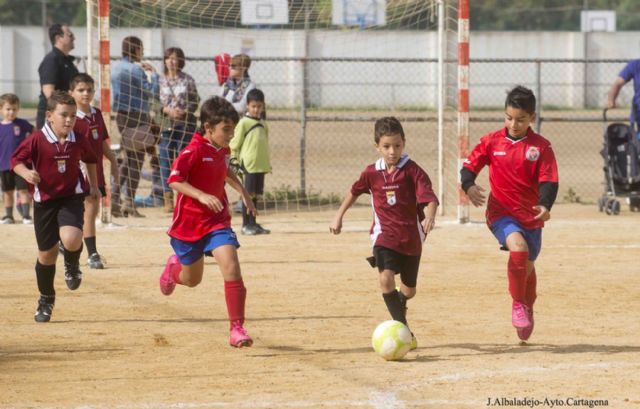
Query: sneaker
x=525 y=333
x=45 y=308
x=72 y=275
x=27 y=220
x=167 y=283
x=238 y=336
x=7 y=220
x=95 y=261
x=519 y=316
x=250 y=230
x=261 y=230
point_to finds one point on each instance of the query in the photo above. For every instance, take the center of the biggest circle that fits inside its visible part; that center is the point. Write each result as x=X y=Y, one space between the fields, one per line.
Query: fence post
x=303 y=102
x=539 y=95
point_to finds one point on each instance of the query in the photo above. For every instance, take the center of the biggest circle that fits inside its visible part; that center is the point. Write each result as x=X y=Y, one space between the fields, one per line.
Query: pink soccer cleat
x=167 y=283
x=238 y=336
x=525 y=333
x=519 y=317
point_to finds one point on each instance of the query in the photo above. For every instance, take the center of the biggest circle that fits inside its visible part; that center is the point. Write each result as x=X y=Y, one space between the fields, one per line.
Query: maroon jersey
x=92 y=126
x=204 y=167
x=516 y=169
x=396 y=198
x=57 y=164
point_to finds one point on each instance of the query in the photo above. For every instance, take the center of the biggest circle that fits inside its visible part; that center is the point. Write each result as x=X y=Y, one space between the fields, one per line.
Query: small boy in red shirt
x=50 y=159
x=201 y=219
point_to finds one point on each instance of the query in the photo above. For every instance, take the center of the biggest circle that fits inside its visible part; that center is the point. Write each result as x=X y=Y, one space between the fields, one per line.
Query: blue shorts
x=190 y=251
x=504 y=226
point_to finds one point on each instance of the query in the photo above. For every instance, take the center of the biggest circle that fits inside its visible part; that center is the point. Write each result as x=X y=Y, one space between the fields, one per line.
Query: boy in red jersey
x=90 y=124
x=201 y=219
x=404 y=207
x=50 y=159
x=523 y=176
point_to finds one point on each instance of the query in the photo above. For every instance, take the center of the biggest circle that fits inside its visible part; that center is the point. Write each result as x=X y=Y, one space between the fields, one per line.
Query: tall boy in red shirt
x=50 y=159
x=201 y=219
x=523 y=176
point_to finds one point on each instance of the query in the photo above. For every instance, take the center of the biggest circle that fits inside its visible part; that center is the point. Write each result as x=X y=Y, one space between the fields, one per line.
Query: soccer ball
x=391 y=340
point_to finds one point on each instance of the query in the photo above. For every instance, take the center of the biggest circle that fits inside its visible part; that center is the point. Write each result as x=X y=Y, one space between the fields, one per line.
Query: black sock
x=403 y=299
x=9 y=211
x=72 y=258
x=26 y=210
x=394 y=305
x=245 y=216
x=255 y=204
x=90 y=242
x=45 y=276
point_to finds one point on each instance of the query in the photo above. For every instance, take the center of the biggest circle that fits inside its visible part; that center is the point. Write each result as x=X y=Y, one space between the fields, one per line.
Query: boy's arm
x=206 y=199
x=468 y=184
x=235 y=183
x=93 y=180
x=27 y=174
x=108 y=153
x=336 y=224
x=429 y=221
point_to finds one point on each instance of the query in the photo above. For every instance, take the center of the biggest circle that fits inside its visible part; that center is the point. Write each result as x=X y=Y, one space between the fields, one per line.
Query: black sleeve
x=48 y=70
x=467 y=179
x=548 y=193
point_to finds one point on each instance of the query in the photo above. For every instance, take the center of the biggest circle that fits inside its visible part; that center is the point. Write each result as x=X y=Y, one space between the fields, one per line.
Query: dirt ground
x=313 y=303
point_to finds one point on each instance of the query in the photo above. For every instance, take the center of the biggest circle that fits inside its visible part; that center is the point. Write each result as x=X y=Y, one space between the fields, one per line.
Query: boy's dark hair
x=59 y=98
x=11 y=99
x=522 y=98
x=130 y=47
x=55 y=30
x=215 y=110
x=79 y=78
x=255 y=95
x=389 y=125
x=178 y=52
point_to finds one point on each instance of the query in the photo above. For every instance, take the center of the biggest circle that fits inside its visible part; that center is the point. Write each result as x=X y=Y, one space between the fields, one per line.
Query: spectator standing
x=239 y=83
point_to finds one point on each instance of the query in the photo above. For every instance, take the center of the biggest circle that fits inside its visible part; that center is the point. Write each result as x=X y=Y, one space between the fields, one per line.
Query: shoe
x=261 y=230
x=45 y=308
x=250 y=230
x=7 y=220
x=72 y=276
x=519 y=316
x=27 y=220
x=238 y=336
x=414 y=342
x=525 y=333
x=131 y=211
x=95 y=261
x=167 y=283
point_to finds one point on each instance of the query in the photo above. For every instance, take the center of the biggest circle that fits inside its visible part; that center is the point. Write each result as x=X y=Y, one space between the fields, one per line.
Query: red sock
x=176 y=269
x=235 y=294
x=530 y=296
x=517 y=273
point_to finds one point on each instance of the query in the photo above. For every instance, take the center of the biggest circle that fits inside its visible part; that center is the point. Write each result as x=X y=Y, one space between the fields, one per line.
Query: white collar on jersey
x=51 y=136
x=82 y=115
x=380 y=165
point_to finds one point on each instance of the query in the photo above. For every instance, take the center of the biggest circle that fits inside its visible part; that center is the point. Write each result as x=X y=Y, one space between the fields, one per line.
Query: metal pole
x=539 y=95
x=89 y=66
x=303 y=103
x=463 y=102
x=45 y=31
x=441 y=51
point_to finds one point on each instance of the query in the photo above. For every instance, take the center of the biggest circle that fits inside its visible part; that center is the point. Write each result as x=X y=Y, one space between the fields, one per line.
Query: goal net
x=328 y=69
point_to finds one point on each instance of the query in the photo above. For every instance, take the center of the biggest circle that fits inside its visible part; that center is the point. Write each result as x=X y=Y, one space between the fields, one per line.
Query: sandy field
x=313 y=303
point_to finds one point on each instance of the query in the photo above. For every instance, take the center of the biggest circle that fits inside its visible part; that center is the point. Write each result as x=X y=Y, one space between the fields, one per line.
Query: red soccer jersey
x=58 y=165
x=516 y=168
x=396 y=197
x=204 y=167
x=93 y=127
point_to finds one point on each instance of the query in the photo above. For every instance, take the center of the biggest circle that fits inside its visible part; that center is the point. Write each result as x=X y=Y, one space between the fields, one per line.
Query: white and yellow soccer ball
x=391 y=340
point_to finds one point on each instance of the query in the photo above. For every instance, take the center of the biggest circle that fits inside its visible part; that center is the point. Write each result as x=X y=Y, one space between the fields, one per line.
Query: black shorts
x=49 y=216
x=406 y=266
x=254 y=183
x=11 y=181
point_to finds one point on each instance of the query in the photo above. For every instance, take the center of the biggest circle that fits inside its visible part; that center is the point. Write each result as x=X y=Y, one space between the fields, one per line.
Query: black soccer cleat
x=72 y=276
x=45 y=308
x=95 y=261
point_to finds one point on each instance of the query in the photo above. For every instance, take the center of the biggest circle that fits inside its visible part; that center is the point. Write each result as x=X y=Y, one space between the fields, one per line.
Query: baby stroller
x=621 y=153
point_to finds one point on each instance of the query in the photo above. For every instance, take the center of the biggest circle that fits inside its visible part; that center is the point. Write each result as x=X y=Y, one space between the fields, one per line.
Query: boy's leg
x=8 y=207
x=249 y=220
x=91 y=210
x=235 y=293
x=71 y=219
x=45 y=275
x=258 y=191
x=25 y=205
x=517 y=274
x=186 y=270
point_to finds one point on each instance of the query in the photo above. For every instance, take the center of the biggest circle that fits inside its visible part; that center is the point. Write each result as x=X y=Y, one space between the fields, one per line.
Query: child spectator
x=13 y=131
x=404 y=207
x=250 y=151
x=238 y=84
x=523 y=177
x=90 y=124
x=50 y=160
x=201 y=219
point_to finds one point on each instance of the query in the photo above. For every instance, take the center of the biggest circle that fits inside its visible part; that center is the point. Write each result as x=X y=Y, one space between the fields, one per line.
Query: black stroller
x=621 y=153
